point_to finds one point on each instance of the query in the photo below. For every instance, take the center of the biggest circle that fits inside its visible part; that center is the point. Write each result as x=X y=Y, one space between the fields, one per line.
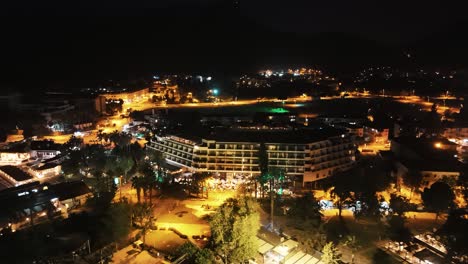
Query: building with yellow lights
x=126 y=96
x=307 y=154
x=433 y=158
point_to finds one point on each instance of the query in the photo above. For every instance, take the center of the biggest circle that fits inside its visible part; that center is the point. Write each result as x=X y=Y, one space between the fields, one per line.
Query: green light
x=278 y=110
x=280 y=191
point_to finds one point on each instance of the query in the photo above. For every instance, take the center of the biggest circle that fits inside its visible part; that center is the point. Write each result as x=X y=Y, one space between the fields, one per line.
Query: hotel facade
x=310 y=155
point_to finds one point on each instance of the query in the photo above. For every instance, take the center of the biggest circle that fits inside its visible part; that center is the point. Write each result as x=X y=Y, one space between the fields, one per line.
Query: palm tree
x=274 y=175
x=138 y=184
x=157 y=157
x=149 y=178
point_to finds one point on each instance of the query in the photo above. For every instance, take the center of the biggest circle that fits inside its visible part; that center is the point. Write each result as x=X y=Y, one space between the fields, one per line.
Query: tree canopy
x=399 y=204
x=307 y=208
x=397 y=230
x=439 y=197
x=330 y=254
x=454 y=233
x=233 y=227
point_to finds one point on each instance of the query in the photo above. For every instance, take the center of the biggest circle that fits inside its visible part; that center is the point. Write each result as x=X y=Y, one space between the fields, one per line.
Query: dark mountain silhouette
x=77 y=51
x=444 y=48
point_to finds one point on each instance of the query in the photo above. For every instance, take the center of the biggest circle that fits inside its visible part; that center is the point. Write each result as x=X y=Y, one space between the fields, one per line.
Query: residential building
x=433 y=158
x=127 y=96
x=34 y=203
x=457 y=131
x=377 y=132
x=71 y=194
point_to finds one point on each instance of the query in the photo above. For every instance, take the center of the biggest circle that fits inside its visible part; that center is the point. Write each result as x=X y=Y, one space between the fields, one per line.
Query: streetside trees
x=342 y=184
x=439 y=197
x=233 y=227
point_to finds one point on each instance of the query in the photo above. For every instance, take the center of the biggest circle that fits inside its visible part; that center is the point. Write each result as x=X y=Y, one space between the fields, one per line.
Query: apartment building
x=309 y=154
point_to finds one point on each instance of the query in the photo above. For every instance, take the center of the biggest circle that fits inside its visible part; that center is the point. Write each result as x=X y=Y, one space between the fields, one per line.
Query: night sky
x=68 y=46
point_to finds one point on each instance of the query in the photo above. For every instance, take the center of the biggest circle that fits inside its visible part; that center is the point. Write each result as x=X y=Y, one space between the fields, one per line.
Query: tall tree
x=120 y=139
x=463 y=181
x=232 y=227
x=454 y=234
x=433 y=122
x=199 y=183
x=330 y=254
x=73 y=143
x=149 y=179
x=413 y=180
x=188 y=250
x=138 y=184
x=143 y=215
x=439 y=197
x=116 y=222
x=397 y=230
x=274 y=175
x=136 y=152
x=103 y=185
x=124 y=164
x=307 y=208
x=399 y=204
x=342 y=184
x=204 y=256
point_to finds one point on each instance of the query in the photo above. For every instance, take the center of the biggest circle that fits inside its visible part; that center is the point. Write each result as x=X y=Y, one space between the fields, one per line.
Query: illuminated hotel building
x=309 y=154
